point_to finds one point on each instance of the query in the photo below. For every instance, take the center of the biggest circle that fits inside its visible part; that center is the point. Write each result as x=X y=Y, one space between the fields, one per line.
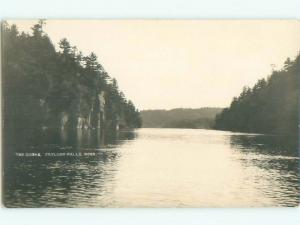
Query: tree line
x=180 y=118
x=48 y=88
x=270 y=106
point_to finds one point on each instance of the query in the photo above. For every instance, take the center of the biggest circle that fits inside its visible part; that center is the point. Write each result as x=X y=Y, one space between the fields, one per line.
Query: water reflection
x=278 y=152
x=266 y=144
x=151 y=168
x=277 y=158
x=61 y=181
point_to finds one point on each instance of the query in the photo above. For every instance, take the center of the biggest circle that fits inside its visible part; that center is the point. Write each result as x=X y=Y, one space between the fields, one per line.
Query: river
x=153 y=168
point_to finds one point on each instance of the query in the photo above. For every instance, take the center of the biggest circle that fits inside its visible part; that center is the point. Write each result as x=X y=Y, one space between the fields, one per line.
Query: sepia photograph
x=159 y=113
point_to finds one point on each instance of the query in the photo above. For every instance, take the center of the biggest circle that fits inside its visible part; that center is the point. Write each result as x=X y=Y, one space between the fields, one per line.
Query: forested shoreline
x=270 y=106
x=201 y=118
x=62 y=89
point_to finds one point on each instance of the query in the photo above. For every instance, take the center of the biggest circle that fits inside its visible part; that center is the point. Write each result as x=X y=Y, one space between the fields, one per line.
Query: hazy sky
x=181 y=63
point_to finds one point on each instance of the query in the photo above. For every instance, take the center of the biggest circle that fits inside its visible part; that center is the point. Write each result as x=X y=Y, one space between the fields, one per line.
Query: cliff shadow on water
x=35 y=181
x=42 y=140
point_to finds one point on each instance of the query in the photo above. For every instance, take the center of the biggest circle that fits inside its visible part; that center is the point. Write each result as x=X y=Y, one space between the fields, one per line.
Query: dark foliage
x=271 y=106
x=43 y=87
x=180 y=118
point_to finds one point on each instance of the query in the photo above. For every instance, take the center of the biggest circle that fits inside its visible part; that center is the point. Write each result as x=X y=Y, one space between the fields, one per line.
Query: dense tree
x=180 y=118
x=271 y=106
x=43 y=87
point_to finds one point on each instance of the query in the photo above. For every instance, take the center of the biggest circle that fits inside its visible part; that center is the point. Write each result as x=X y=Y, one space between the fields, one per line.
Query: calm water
x=153 y=168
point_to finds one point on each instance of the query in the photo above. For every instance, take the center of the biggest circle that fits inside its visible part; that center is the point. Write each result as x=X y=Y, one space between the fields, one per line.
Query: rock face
x=58 y=90
x=101 y=113
x=93 y=114
x=82 y=123
x=64 y=120
x=94 y=118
